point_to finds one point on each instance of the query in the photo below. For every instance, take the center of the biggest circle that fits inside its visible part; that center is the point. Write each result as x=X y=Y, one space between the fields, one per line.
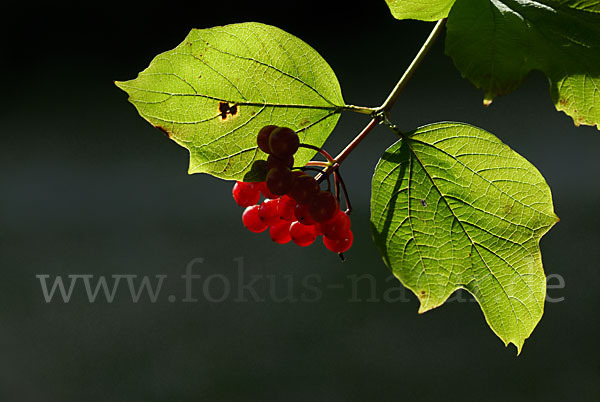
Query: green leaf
x=452 y=208
x=220 y=86
x=496 y=43
x=424 y=10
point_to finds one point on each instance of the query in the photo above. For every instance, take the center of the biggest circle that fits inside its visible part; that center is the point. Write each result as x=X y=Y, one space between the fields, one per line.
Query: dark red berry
x=302 y=235
x=280 y=233
x=280 y=180
x=323 y=206
x=245 y=194
x=275 y=161
x=262 y=139
x=268 y=213
x=252 y=221
x=337 y=228
x=283 y=142
x=339 y=245
x=303 y=215
x=304 y=188
x=286 y=208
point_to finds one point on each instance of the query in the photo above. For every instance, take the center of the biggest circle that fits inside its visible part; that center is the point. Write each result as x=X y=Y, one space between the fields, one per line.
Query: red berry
x=318 y=229
x=337 y=228
x=323 y=206
x=262 y=139
x=283 y=142
x=280 y=180
x=264 y=190
x=302 y=215
x=302 y=235
x=275 y=161
x=339 y=245
x=252 y=221
x=245 y=194
x=280 y=233
x=286 y=208
x=304 y=188
x=268 y=213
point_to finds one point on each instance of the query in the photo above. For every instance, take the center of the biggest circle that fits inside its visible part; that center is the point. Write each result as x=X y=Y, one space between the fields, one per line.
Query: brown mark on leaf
x=164 y=130
x=423 y=294
x=507 y=209
x=563 y=101
x=225 y=109
x=304 y=123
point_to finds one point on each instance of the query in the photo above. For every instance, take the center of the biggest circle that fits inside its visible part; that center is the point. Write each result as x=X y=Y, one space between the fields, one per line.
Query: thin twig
x=359 y=109
x=379 y=114
x=393 y=97
x=319 y=150
x=346 y=197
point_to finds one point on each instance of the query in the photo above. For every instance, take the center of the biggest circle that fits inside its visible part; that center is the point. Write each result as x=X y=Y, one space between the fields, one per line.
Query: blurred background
x=90 y=188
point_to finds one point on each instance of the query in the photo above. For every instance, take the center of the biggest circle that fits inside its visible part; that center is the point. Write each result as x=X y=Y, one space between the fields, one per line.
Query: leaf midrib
x=239 y=103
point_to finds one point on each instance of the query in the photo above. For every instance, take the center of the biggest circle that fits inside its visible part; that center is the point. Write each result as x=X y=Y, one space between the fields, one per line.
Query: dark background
x=88 y=187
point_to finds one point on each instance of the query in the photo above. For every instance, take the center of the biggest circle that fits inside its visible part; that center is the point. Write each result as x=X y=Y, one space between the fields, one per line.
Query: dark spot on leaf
x=563 y=101
x=423 y=294
x=226 y=109
x=164 y=130
x=423 y=203
x=304 y=123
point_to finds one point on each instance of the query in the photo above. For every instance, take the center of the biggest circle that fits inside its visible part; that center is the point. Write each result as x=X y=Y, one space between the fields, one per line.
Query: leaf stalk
x=414 y=65
x=380 y=115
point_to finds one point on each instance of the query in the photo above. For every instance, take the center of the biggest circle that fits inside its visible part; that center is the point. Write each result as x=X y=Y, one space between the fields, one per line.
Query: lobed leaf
x=496 y=43
x=452 y=208
x=213 y=93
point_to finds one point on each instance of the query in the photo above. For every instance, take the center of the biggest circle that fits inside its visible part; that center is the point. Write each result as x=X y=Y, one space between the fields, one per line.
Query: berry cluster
x=294 y=207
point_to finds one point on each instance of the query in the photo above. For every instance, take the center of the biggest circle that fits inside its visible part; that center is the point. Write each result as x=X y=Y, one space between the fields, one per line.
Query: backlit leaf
x=496 y=43
x=213 y=93
x=452 y=208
